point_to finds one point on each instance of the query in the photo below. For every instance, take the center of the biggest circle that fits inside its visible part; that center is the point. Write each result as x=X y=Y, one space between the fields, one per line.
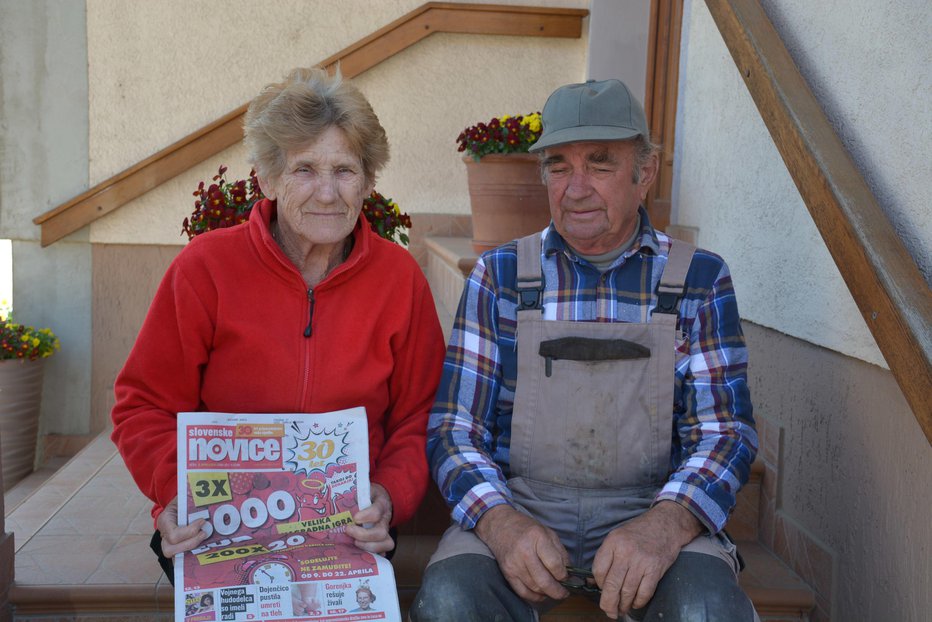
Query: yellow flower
x=532 y=121
x=394 y=207
x=35 y=342
x=504 y=117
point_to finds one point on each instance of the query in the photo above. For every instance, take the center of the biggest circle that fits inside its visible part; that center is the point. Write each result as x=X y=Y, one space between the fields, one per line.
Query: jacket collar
x=260 y=232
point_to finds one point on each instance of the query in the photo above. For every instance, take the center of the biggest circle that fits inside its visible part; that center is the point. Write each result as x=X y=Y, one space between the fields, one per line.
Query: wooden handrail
x=883 y=278
x=432 y=17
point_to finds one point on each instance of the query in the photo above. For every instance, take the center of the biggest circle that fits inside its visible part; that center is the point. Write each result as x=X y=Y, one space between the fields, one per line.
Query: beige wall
x=125 y=278
x=90 y=88
x=866 y=62
x=852 y=510
x=852 y=495
x=43 y=160
x=619 y=34
x=424 y=96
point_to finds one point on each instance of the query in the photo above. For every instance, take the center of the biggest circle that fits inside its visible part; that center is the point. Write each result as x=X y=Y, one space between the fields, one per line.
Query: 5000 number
x=252 y=513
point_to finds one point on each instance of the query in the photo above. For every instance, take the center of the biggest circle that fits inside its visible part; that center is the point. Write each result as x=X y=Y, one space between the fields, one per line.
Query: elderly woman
x=302 y=309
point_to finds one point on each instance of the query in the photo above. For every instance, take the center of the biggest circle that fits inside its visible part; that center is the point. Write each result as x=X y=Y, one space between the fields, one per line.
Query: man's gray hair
x=643 y=150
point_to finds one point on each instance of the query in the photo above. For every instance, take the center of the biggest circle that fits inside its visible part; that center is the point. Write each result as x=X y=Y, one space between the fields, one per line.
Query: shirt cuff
x=480 y=499
x=697 y=501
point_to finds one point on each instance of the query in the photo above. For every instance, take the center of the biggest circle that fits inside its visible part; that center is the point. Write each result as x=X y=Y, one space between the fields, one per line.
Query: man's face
x=593 y=196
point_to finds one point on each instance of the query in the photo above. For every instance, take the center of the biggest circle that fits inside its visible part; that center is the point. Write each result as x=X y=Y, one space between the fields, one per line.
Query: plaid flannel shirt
x=713 y=439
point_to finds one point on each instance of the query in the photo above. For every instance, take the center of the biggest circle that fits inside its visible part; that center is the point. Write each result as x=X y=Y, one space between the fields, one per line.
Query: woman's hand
x=377 y=516
x=176 y=538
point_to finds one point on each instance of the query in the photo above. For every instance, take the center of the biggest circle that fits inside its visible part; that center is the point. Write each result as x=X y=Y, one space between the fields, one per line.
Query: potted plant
x=23 y=350
x=226 y=203
x=506 y=194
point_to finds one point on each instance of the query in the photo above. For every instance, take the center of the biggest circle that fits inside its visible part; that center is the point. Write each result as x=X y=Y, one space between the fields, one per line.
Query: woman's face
x=363 y=599
x=320 y=190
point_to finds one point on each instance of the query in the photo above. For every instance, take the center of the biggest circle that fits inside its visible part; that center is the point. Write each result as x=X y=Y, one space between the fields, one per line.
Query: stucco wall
x=424 y=96
x=868 y=63
x=90 y=88
x=852 y=513
x=43 y=161
x=619 y=33
x=853 y=456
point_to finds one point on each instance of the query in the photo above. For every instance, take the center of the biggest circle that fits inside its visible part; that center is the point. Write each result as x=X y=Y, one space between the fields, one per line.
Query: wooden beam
x=663 y=62
x=883 y=278
x=142 y=177
x=404 y=32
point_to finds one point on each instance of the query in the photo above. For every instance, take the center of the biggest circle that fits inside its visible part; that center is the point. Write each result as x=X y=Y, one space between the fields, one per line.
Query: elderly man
x=593 y=423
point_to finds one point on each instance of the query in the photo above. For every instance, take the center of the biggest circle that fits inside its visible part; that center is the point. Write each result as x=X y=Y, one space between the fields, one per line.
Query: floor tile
x=53 y=560
x=129 y=561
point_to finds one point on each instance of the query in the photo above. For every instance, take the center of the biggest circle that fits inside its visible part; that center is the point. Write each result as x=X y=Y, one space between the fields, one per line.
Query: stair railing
x=883 y=278
x=430 y=18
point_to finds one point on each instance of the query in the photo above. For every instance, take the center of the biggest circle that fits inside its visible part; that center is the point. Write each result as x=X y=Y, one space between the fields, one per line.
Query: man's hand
x=373 y=538
x=634 y=557
x=175 y=538
x=529 y=554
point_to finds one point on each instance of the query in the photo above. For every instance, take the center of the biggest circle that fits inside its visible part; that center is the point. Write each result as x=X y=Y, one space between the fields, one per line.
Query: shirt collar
x=646 y=239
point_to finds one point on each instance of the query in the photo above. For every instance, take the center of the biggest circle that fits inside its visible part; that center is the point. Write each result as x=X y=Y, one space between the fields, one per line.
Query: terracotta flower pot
x=20 y=397
x=507 y=197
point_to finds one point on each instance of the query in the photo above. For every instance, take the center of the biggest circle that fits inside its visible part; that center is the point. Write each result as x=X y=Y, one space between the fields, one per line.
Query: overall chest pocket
x=586 y=349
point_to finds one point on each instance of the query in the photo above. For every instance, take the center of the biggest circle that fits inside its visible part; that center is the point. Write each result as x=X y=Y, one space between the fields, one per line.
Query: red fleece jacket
x=226 y=333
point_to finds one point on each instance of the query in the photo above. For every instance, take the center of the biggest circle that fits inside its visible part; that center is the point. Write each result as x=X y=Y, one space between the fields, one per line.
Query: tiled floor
x=86 y=527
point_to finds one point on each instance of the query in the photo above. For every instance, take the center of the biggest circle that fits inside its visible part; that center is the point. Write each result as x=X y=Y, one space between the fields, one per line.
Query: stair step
x=140 y=602
x=777 y=594
x=449 y=261
x=776 y=591
x=743 y=524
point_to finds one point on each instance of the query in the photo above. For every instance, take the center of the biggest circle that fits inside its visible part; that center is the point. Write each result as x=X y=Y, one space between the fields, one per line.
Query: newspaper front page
x=277 y=492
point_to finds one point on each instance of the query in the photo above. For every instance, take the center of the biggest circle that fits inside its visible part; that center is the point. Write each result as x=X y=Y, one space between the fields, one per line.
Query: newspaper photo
x=277 y=492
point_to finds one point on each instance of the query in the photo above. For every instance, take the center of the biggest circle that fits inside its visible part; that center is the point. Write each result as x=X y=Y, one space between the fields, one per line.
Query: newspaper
x=277 y=492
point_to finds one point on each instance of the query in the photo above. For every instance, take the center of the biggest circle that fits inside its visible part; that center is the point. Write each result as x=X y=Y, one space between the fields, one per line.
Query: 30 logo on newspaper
x=316 y=447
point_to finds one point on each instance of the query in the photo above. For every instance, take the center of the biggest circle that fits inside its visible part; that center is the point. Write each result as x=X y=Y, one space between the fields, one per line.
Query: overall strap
x=672 y=286
x=530 y=281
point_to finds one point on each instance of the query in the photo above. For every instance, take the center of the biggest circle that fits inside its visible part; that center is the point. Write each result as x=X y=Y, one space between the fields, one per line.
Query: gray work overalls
x=591 y=426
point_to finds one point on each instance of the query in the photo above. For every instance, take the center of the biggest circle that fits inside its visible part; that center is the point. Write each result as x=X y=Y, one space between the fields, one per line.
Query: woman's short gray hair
x=295 y=112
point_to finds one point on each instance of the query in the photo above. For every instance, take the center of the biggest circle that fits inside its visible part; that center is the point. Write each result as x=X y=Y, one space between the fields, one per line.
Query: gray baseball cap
x=603 y=110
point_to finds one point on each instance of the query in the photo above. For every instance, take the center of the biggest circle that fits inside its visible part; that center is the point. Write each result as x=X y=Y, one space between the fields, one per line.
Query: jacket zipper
x=310 y=312
x=305 y=385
